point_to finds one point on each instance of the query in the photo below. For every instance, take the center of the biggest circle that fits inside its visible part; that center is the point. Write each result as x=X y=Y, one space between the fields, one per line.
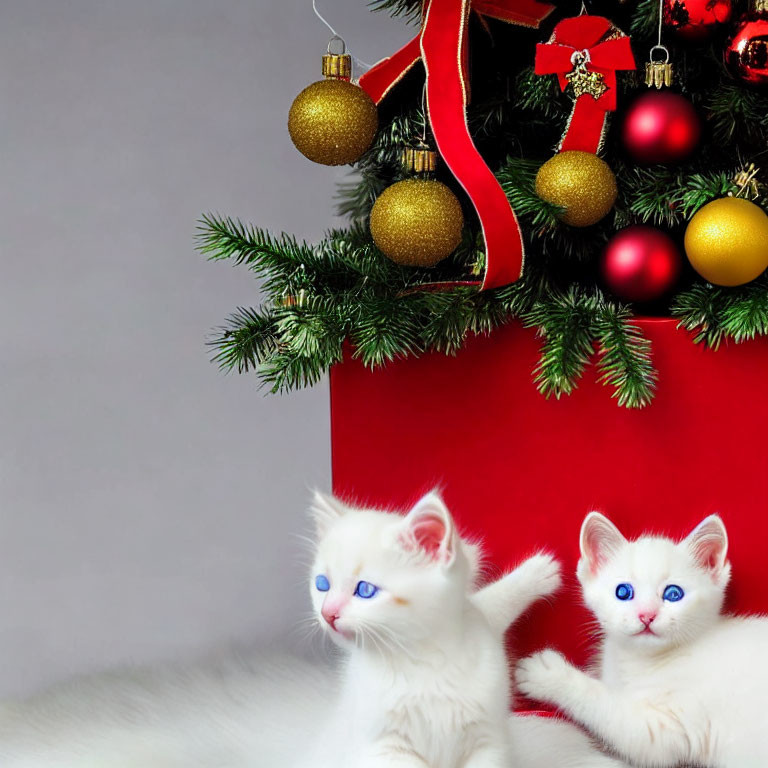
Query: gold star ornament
x=583 y=81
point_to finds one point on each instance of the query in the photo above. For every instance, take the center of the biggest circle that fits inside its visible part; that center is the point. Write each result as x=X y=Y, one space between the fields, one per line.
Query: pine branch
x=645 y=19
x=447 y=322
x=355 y=199
x=226 y=238
x=355 y=254
x=517 y=178
x=745 y=314
x=384 y=330
x=700 y=311
x=286 y=265
x=249 y=338
x=667 y=197
x=701 y=188
x=565 y=323
x=649 y=194
x=408 y=9
x=313 y=328
x=287 y=370
x=625 y=357
x=737 y=114
x=540 y=94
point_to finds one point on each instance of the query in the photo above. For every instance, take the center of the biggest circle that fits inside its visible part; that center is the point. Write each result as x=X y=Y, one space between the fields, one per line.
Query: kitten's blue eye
x=322 y=583
x=625 y=592
x=365 y=589
x=673 y=593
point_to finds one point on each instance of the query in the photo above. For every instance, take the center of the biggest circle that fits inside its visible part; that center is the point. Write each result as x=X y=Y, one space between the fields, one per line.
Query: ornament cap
x=419 y=159
x=658 y=73
x=760 y=6
x=337 y=66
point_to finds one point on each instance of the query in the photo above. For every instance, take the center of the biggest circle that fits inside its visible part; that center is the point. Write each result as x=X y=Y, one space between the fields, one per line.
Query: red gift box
x=521 y=471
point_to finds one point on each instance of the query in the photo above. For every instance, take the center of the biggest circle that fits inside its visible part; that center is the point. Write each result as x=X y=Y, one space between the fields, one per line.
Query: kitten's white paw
x=543 y=573
x=543 y=675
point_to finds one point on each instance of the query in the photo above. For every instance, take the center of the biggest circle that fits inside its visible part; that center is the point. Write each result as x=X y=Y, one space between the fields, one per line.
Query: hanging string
x=659 y=46
x=661 y=17
x=337 y=36
x=323 y=19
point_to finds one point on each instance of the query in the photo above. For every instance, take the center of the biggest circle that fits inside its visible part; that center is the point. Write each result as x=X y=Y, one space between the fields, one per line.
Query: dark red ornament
x=661 y=127
x=746 y=53
x=696 y=20
x=640 y=263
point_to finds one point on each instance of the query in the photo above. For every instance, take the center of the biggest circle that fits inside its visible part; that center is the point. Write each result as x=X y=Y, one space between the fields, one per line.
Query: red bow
x=441 y=44
x=603 y=49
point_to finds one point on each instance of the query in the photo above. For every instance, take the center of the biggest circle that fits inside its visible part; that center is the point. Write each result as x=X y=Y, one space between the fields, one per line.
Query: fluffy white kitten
x=679 y=683
x=426 y=683
x=425 y=675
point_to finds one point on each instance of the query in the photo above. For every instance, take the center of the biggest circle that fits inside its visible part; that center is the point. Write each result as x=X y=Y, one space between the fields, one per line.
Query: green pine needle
x=625 y=357
x=249 y=338
x=565 y=323
x=409 y=9
x=699 y=310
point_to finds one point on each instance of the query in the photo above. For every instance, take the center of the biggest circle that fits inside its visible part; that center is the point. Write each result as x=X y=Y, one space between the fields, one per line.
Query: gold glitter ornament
x=417 y=222
x=726 y=241
x=579 y=182
x=333 y=121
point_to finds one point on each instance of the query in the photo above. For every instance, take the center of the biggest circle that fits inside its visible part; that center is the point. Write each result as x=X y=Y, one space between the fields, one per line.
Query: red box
x=521 y=471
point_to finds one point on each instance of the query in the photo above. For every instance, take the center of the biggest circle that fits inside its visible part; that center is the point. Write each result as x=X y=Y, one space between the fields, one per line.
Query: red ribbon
x=606 y=50
x=441 y=45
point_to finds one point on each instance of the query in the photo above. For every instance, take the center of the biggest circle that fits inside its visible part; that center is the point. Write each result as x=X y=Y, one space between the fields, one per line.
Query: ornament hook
x=337 y=39
x=581 y=58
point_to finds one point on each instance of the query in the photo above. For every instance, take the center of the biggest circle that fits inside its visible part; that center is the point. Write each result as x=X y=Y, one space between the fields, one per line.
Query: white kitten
x=679 y=682
x=426 y=683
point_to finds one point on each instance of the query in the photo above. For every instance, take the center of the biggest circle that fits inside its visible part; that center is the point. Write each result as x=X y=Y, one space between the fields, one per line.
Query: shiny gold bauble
x=417 y=222
x=580 y=183
x=727 y=241
x=333 y=122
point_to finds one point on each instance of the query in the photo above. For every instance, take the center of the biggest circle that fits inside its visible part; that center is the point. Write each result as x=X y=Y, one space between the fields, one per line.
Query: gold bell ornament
x=417 y=222
x=333 y=121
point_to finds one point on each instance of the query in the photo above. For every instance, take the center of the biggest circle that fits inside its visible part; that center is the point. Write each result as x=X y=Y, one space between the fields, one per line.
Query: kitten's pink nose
x=647 y=618
x=331 y=615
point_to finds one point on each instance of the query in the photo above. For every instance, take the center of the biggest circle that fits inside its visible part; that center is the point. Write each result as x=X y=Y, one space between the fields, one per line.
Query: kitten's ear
x=600 y=539
x=325 y=510
x=429 y=528
x=708 y=543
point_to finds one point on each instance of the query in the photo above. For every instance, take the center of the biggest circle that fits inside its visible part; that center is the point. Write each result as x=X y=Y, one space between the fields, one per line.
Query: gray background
x=149 y=505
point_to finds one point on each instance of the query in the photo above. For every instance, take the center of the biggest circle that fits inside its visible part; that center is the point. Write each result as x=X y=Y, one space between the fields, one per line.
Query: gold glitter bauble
x=579 y=182
x=727 y=241
x=333 y=122
x=417 y=222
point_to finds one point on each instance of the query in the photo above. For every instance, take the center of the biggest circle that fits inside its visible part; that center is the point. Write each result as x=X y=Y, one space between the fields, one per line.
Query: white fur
x=429 y=675
x=694 y=691
x=233 y=712
x=545 y=742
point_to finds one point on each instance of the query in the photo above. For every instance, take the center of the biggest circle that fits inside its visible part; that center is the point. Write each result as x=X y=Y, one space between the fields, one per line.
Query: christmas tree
x=597 y=254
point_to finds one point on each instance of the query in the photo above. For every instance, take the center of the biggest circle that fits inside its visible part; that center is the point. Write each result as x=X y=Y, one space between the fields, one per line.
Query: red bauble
x=661 y=127
x=695 y=20
x=640 y=264
x=746 y=54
